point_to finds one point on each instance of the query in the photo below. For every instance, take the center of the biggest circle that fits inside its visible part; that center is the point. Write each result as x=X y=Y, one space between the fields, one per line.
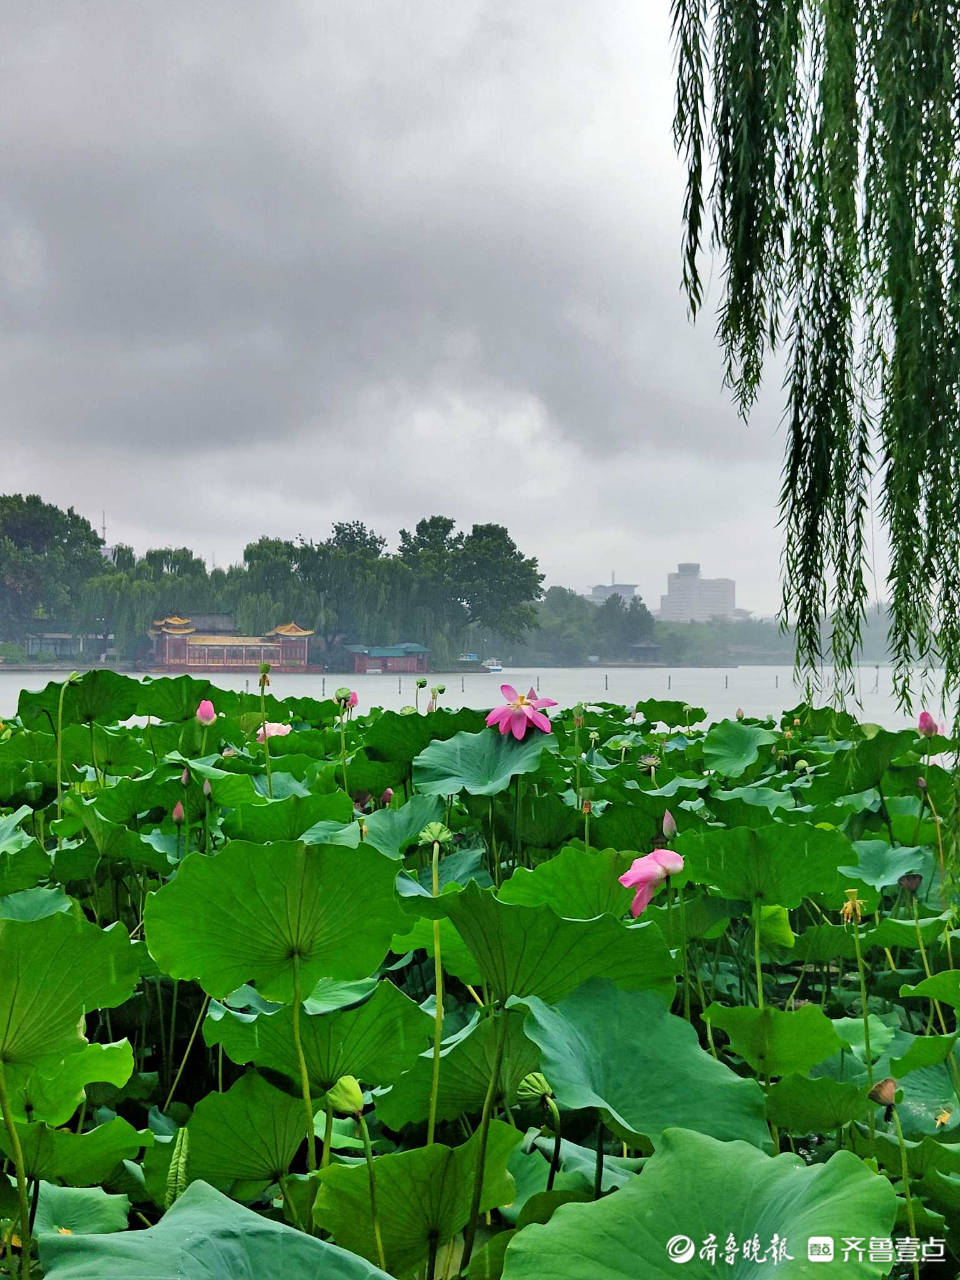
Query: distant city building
x=603 y=591
x=691 y=598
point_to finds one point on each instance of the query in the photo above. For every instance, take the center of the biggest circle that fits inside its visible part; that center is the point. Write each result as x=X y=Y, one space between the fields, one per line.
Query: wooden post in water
x=323 y=687
x=606 y=682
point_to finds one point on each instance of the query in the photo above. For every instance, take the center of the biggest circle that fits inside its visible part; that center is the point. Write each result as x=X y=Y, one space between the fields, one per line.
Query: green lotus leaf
x=285 y=819
x=203 y=1235
x=944 y=987
x=77 y=1159
x=393 y=736
x=34 y=904
x=532 y=951
x=392 y=831
x=731 y=747
x=776 y=1042
x=621 y=1051
x=577 y=885
x=52 y=971
x=466 y=1064
x=374 y=1041
x=249 y=1134
x=23 y=867
x=52 y=1088
x=695 y=1188
x=422 y=1195
x=670 y=711
x=801 y=1105
x=250 y=912
x=458 y=959
x=99 y=695
x=482 y=764
x=79 y=1211
x=880 y=863
x=776 y=864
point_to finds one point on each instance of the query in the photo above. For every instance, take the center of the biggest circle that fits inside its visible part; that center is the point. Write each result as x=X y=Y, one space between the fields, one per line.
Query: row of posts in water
x=606 y=683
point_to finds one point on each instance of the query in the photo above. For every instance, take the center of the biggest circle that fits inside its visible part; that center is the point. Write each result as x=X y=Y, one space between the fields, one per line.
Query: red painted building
x=413 y=658
x=177 y=645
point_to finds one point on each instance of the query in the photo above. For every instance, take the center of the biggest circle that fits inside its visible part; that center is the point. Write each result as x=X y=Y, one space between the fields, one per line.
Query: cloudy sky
x=264 y=266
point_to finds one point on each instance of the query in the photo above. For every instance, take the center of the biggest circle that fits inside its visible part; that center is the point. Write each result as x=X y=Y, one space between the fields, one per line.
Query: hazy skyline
x=266 y=267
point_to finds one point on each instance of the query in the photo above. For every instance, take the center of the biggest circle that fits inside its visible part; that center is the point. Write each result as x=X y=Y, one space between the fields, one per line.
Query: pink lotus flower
x=647 y=874
x=271 y=729
x=179 y=814
x=205 y=713
x=353 y=699
x=521 y=711
x=669 y=825
x=928 y=727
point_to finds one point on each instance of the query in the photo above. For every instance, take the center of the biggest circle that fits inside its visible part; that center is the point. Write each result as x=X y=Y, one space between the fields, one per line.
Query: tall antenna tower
x=103 y=526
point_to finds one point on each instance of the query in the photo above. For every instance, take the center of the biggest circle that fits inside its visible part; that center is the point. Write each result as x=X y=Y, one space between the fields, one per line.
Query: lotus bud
x=185 y=777
x=922 y=784
x=387 y=796
x=739 y=713
x=179 y=813
x=346 y=1096
x=796 y=721
x=205 y=713
x=353 y=699
x=431 y=705
x=669 y=825
x=926 y=725
x=788 y=734
x=207 y=789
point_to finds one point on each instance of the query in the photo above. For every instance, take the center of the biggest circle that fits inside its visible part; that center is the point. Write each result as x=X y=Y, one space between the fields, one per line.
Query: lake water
x=758 y=690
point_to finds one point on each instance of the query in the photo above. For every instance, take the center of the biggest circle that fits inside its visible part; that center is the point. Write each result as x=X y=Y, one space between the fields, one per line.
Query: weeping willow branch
x=822 y=141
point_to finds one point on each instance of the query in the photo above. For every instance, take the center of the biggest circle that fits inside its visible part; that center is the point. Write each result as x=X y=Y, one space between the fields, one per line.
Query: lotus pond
x=364 y=993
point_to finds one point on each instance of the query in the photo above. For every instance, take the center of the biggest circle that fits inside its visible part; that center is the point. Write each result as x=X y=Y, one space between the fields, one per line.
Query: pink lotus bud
x=185 y=777
x=205 y=713
x=207 y=789
x=387 y=796
x=669 y=825
x=431 y=705
x=739 y=713
x=353 y=699
x=179 y=814
x=926 y=725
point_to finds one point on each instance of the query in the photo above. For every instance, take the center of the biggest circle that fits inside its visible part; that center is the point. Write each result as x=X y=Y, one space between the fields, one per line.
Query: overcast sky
x=269 y=265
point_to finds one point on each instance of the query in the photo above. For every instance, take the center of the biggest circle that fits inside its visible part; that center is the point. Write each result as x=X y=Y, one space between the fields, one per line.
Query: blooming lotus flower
x=271 y=729
x=647 y=874
x=669 y=825
x=179 y=814
x=205 y=713
x=928 y=727
x=520 y=712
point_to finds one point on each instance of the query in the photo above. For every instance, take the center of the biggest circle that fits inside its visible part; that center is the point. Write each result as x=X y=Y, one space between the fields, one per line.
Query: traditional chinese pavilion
x=177 y=645
x=391 y=657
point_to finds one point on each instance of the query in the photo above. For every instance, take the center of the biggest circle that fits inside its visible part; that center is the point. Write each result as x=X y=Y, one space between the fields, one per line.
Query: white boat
x=493 y=665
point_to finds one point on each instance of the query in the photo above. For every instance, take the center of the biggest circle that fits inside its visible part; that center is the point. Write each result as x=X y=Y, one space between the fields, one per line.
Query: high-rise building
x=604 y=590
x=691 y=598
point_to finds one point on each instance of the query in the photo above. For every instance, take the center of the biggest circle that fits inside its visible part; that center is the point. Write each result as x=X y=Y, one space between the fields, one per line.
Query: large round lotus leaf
x=776 y=864
x=466 y=1063
x=801 y=1105
x=879 y=863
x=730 y=747
x=77 y=1159
x=532 y=951
x=99 y=694
x=575 y=884
x=204 y=1235
x=422 y=1194
x=401 y=737
x=285 y=819
x=246 y=913
x=52 y=1088
x=34 y=904
x=482 y=764
x=23 y=867
x=621 y=1051
x=52 y=971
x=776 y=1042
x=248 y=1134
x=79 y=1210
x=694 y=1189
x=393 y=830
x=375 y=1041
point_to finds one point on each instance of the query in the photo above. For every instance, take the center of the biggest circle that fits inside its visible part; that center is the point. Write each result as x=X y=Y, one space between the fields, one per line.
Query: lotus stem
x=905 y=1176
x=16 y=1152
x=756 y=952
x=266 y=741
x=302 y=1063
x=438 y=1015
x=554 y=1110
x=368 y=1156
x=186 y=1052
x=483 y=1130
x=598 y=1167
x=327 y=1134
x=343 y=750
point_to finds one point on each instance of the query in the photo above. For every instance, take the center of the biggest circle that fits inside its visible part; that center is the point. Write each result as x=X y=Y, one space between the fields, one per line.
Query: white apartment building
x=691 y=598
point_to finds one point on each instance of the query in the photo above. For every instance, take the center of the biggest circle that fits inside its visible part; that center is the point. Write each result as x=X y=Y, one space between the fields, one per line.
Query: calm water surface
x=758 y=690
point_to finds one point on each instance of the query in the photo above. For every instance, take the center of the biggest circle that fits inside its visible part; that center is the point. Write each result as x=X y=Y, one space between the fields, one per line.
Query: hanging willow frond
x=831 y=129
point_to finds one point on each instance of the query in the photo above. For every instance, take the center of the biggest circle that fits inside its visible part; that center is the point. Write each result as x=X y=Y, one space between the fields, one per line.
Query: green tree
x=46 y=555
x=497 y=583
x=822 y=143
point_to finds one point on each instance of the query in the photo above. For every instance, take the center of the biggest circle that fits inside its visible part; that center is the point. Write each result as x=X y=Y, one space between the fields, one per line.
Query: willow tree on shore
x=822 y=144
